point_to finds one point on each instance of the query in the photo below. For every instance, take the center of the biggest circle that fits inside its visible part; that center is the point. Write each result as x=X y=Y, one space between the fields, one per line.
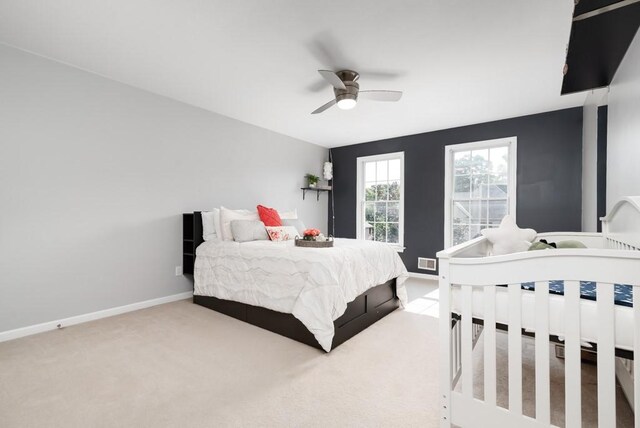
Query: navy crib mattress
x=623 y=294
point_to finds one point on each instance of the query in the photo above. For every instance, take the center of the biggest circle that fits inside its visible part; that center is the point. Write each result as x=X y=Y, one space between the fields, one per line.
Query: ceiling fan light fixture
x=346 y=90
x=347 y=103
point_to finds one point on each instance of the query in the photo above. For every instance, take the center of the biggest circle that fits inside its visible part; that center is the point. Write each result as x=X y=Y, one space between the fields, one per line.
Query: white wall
x=94 y=176
x=623 y=135
x=589 y=167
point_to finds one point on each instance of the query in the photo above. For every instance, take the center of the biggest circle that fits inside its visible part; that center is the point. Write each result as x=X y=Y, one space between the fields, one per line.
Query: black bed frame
x=366 y=309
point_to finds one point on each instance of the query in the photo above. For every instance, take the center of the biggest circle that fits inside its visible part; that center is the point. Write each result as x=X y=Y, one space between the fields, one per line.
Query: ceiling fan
x=347 y=91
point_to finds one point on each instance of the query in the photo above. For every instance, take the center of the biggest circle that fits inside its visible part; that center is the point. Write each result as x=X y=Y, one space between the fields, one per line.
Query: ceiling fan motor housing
x=349 y=78
x=350 y=93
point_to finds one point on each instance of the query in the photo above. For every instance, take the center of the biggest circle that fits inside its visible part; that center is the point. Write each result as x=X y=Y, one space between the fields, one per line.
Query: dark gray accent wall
x=549 y=177
x=602 y=164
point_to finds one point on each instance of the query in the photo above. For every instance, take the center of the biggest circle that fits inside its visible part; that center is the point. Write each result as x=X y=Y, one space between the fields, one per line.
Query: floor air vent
x=426 y=264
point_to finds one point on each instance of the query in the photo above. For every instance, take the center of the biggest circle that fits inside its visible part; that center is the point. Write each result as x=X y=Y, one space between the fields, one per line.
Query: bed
x=317 y=296
x=581 y=298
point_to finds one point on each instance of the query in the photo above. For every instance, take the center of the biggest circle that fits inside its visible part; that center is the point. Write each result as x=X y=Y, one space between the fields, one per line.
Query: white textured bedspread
x=313 y=284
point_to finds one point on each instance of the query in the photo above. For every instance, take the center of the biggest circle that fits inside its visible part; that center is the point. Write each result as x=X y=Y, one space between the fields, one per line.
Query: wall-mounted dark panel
x=597 y=46
x=585 y=6
x=549 y=177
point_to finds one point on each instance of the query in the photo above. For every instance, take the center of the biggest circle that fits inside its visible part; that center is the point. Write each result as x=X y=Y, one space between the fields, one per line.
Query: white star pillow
x=509 y=238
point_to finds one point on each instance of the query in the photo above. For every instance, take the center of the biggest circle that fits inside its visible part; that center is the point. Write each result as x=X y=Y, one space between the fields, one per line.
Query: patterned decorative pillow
x=269 y=216
x=281 y=233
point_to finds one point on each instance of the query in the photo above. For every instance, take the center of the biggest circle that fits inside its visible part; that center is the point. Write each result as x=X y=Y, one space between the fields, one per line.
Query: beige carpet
x=181 y=365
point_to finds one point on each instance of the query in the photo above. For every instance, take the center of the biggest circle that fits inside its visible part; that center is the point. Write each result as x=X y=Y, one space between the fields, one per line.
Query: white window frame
x=511 y=143
x=360 y=195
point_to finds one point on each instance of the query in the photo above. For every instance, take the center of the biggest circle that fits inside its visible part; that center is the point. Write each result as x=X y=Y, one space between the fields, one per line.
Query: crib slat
x=606 y=356
x=490 y=345
x=467 y=345
x=515 y=349
x=457 y=346
x=454 y=346
x=573 y=399
x=543 y=391
x=636 y=347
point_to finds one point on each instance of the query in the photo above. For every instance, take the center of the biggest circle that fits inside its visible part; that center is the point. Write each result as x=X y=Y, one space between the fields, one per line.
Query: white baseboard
x=78 y=319
x=423 y=276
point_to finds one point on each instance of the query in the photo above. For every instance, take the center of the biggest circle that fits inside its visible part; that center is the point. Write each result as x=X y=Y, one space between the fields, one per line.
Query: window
x=480 y=187
x=380 y=204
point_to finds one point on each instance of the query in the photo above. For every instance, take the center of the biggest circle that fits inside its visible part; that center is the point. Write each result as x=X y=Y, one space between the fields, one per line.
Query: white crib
x=468 y=289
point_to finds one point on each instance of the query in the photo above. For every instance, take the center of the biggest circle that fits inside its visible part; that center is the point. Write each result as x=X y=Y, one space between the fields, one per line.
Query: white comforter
x=313 y=284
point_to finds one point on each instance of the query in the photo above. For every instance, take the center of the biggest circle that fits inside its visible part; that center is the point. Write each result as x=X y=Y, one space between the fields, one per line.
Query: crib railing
x=469 y=275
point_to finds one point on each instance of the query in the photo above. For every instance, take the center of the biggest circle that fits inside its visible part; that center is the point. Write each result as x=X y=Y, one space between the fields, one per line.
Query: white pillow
x=289 y=215
x=216 y=222
x=508 y=238
x=227 y=216
x=208 y=225
x=281 y=233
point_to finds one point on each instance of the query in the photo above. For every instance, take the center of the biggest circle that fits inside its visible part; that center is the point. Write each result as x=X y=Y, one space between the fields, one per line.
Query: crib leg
x=446 y=372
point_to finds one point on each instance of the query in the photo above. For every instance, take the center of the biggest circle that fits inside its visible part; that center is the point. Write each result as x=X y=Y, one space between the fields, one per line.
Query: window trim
x=360 y=170
x=511 y=143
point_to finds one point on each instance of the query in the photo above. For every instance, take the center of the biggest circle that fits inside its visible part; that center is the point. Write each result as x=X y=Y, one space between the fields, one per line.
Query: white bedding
x=313 y=284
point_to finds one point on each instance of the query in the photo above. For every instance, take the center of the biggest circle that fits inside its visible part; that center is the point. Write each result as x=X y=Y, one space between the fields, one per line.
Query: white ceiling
x=458 y=62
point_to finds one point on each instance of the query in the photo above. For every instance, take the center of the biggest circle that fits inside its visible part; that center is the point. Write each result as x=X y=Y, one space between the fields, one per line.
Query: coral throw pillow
x=269 y=216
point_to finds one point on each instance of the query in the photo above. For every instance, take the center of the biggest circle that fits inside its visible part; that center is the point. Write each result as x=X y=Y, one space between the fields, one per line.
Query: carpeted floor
x=181 y=365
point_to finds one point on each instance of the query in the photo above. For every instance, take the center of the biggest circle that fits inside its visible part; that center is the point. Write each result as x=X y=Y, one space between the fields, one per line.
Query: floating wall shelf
x=315 y=189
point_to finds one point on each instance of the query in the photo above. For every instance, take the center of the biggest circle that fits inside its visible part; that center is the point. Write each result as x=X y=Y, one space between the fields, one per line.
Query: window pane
x=382 y=191
x=381 y=232
x=478 y=211
x=461 y=212
x=479 y=186
x=393 y=211
x=480 y=162
x=368 y=231
x=381 y=211
x=499 y=157
x=461 y=187
x=381 y=171
x=498 y=190
x=369 y=192
x=461 y=162
x=497 y=211
x=369 y=209
x=393 y=233
x=474 y=230
x=460 y=233
x=370 y=171
x=394 y=191
x=394 y=169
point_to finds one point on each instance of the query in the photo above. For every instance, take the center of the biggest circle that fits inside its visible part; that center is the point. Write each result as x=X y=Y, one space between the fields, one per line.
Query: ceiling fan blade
x=332 y=78
x=324 y=107
x=377 y=95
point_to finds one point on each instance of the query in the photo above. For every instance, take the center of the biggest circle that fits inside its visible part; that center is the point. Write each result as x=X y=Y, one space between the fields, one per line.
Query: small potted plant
x=312 y=180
